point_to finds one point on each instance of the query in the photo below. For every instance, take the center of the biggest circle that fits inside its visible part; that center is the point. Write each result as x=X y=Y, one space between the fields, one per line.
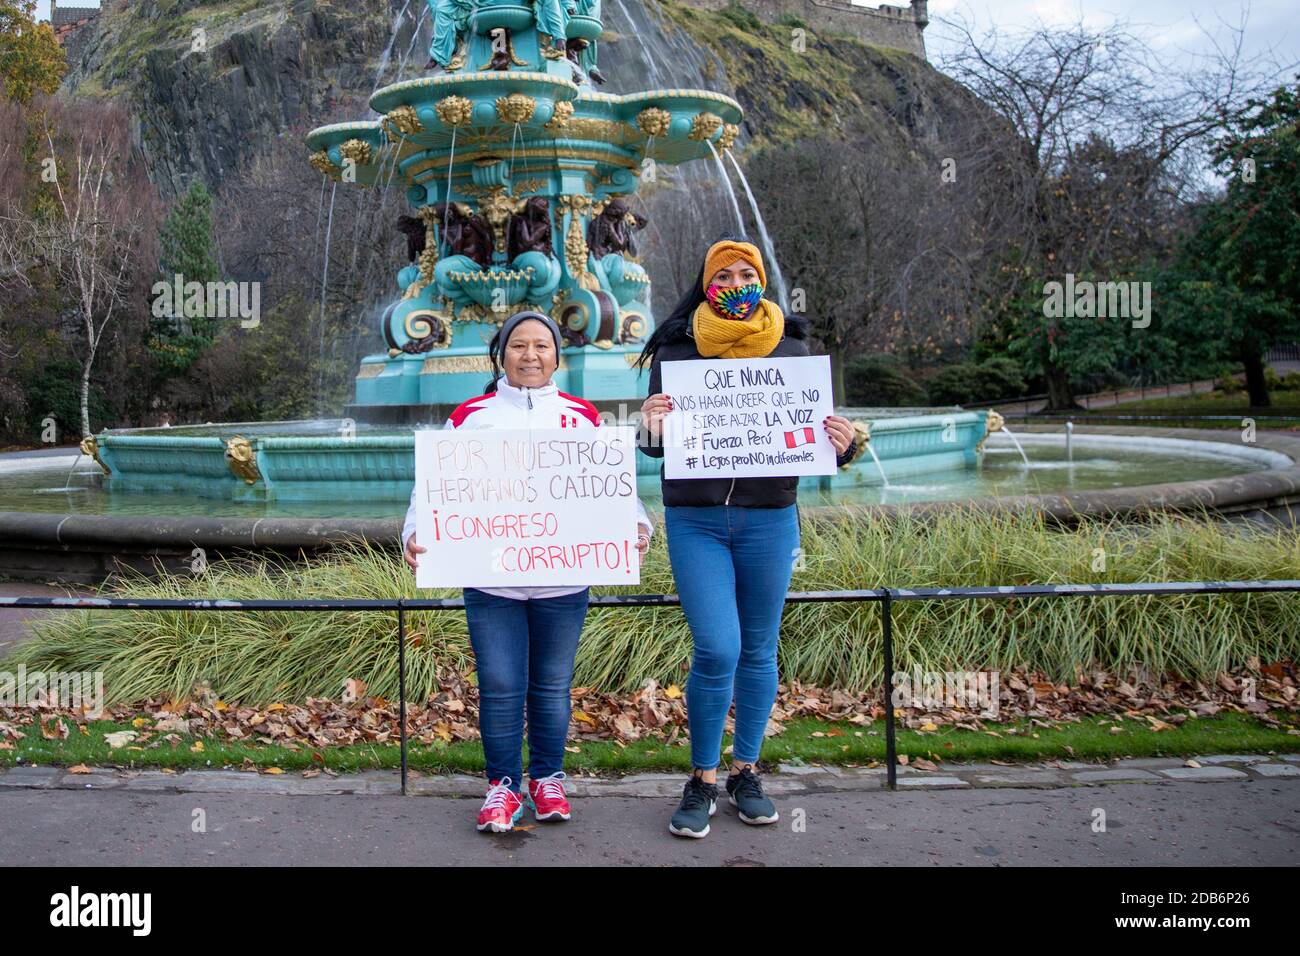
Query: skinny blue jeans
x=524 y=653
x=732 y=567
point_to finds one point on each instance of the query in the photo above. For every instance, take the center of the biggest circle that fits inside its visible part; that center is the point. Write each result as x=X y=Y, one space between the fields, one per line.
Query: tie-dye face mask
x=735 y=302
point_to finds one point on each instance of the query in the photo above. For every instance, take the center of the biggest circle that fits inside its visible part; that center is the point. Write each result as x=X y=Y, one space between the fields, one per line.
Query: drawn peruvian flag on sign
x=800 y=436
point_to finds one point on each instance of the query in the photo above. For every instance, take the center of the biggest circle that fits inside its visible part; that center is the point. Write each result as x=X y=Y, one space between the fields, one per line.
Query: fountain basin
x=82 y=534
x=583 y=28
x=489 y=16
x=344 y=149
x=232 y=461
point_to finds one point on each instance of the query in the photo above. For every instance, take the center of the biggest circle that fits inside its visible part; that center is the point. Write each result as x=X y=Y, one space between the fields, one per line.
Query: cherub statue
x=468 y=233
x=529 y=230
x=413 y=228
x=611 y=229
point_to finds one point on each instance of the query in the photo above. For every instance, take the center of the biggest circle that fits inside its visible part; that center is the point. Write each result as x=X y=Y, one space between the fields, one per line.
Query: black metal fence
x=886 y=597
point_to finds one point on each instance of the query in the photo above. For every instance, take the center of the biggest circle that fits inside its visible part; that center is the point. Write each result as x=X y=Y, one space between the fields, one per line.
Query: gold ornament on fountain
x=505 y=37
x=422 y=323
x=321 y=161
x=993 y=423
x=575 y=243
x=404 y=120
x=861 y=435
x=357 y=150
x=429 y=257
x=560 y=119
x=634 y=327
x=515 y=108
x=459 y=58
x=729 y=133
x=90 y=448
x=497 y=208
x=454 y=110
x=242 y=459
x=547 y=44
x=704 y=126
x=654 y=121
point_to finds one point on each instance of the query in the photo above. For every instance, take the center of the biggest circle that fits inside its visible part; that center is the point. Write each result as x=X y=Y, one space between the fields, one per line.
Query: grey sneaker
x=747 y=796
x=699 y=802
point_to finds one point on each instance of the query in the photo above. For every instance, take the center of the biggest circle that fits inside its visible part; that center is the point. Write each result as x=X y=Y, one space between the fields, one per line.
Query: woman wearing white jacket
x=524 y=638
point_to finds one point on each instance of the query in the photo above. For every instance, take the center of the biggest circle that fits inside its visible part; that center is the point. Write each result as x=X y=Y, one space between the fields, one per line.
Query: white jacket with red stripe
x=511 y=407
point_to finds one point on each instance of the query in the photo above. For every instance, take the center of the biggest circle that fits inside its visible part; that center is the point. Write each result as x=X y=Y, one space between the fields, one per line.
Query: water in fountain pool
x=39 y=487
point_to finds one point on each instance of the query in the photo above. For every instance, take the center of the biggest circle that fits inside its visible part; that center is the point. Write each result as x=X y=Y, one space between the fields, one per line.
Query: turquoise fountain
x=520 y=176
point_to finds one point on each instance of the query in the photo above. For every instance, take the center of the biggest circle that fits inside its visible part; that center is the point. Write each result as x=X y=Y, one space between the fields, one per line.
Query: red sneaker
x=501 y=809
x=547 y=798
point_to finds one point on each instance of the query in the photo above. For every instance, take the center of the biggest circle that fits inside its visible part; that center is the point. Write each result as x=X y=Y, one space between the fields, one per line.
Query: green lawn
x=1212 y=403
x=806 y=740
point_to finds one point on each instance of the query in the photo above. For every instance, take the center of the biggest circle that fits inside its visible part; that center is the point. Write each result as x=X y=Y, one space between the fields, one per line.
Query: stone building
x=70 y=24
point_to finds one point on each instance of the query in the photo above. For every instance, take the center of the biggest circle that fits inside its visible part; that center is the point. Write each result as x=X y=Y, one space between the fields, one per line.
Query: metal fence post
x=401 y=682
x=887 y=631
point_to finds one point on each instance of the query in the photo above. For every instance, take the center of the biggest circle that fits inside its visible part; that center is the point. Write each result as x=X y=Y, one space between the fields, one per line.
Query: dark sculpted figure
x=503 y=50
x=611 y=231
x=468 y=233
x=529 y=229
x=413 y=228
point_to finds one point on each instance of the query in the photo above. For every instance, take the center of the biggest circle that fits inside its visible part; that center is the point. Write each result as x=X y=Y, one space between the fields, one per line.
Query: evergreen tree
x=185 y=250
x=1239 y=273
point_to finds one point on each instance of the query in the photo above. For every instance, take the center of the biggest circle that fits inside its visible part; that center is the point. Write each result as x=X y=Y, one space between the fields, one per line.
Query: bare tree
x=87 y=236
x=1104 y=133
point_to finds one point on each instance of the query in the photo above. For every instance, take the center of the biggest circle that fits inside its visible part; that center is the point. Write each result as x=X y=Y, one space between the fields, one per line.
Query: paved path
x=1115 y=397
x=1214 y=824
x=788 y=780
x=1120 y=396
x=1235 y=814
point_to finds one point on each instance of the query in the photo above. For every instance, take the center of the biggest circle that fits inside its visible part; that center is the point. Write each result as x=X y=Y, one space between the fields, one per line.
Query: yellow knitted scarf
x=753 y=337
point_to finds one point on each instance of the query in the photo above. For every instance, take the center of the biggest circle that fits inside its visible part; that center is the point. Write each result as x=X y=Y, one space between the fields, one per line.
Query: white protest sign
x=748 y=418
x=518 y=507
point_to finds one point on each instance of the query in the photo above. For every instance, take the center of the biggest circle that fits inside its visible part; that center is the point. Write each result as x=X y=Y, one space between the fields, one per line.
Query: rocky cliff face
x=211 y=84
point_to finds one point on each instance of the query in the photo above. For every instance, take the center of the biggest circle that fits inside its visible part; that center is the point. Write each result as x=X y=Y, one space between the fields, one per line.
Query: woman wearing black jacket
x=732 y=542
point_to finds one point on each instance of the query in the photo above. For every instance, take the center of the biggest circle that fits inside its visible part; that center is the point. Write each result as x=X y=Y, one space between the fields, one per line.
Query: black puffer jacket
x=778 y=491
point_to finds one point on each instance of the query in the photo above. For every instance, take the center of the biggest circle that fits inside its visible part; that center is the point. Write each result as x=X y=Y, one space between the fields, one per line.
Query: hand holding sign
x=748 y=418
x=653 y=411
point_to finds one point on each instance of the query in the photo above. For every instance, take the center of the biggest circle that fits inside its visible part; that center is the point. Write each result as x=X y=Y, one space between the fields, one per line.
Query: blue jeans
x=524 y=652
x=732 y=567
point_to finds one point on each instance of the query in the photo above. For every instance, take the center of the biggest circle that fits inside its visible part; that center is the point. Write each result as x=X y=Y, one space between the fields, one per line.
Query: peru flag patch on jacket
x=800 y=436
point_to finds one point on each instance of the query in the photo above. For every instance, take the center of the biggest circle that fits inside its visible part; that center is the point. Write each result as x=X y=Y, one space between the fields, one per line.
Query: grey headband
x=509 y=324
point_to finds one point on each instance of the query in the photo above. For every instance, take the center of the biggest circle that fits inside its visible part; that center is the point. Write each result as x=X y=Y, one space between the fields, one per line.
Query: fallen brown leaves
x=659 y=713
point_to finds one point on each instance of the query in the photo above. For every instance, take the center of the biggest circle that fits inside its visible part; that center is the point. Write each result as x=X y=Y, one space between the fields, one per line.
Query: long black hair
x=673 y=328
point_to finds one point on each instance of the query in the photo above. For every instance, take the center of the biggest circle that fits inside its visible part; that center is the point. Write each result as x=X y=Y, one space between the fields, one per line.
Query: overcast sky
x=43 y=7
x=1175 y=29
x=1171 y=26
